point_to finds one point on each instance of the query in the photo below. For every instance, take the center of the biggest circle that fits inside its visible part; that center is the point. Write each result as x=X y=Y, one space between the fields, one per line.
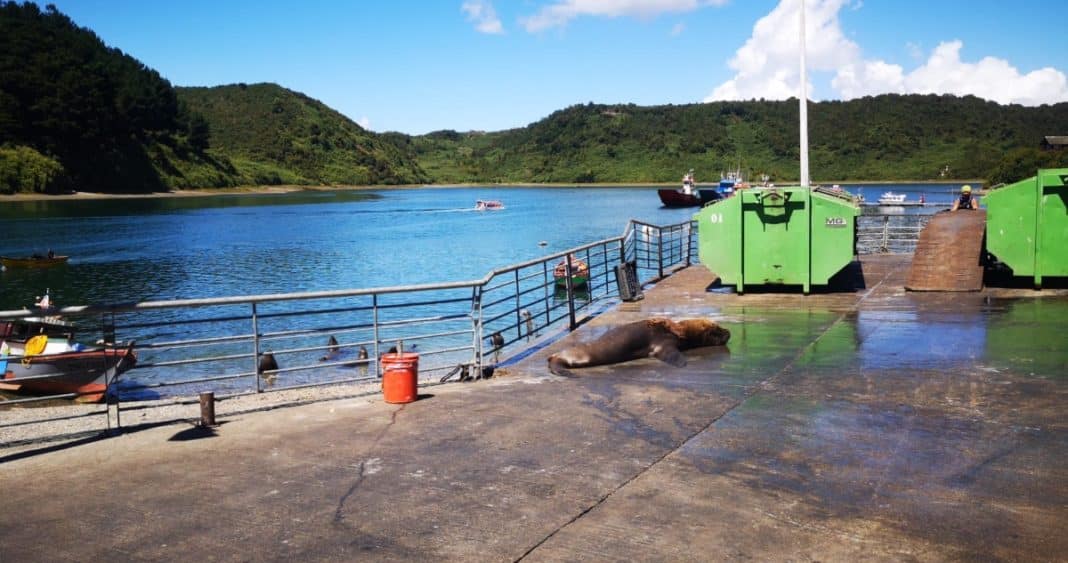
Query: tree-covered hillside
x=264 y=126
x=76 y=114
x=888 y=137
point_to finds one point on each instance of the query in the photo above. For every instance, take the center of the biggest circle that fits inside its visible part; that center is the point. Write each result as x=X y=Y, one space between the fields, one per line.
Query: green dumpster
x=1027 y=225
x=781 y=236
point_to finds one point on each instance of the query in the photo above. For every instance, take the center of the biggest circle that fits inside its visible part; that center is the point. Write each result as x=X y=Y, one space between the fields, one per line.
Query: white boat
x=488 y=204
x=890 y=198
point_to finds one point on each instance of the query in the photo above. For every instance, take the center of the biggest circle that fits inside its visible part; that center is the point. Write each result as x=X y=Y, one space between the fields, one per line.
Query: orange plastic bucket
x=400 y=376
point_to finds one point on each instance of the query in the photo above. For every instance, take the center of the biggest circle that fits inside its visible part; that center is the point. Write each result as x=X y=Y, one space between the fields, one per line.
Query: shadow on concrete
x=196 y=433
x=849 y=279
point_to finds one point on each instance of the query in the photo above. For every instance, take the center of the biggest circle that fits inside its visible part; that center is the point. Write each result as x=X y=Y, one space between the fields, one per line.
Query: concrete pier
x=872 y=424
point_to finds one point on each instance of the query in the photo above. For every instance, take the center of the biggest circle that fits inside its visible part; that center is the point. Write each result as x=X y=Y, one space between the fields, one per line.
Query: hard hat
x=966 y=189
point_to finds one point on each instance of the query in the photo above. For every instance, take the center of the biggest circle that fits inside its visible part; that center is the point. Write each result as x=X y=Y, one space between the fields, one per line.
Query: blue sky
x=417 y=66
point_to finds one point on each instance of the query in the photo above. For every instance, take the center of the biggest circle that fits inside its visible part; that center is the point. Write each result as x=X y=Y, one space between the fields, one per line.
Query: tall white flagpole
x=803 y=105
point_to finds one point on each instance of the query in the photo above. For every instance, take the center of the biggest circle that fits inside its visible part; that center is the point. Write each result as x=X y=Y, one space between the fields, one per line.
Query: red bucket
x=400 y=376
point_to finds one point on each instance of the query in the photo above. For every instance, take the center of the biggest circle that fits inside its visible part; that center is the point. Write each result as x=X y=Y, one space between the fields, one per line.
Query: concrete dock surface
x=873 y=424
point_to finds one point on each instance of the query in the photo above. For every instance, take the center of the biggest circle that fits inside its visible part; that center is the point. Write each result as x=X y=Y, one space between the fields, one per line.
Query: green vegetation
x=76 y=114
x=888 y=137
x=91 y=109
x=278 y=136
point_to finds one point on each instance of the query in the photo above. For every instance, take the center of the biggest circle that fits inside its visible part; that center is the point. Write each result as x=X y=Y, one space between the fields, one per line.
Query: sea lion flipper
x=670 y=355
x=558 y=366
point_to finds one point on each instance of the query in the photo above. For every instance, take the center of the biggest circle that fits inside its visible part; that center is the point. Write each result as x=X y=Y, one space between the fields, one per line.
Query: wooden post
x=207 y=409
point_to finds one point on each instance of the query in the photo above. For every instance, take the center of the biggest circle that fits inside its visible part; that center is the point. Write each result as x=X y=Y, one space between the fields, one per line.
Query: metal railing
x=894 y=233
x=185 y=347
x=226 y=345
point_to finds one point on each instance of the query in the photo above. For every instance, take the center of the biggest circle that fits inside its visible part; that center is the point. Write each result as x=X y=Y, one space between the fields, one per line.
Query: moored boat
x=891 y=198
x=580 y=272
x=730 y=181
x=35 y=261
x=688 y=195
x=39 y=356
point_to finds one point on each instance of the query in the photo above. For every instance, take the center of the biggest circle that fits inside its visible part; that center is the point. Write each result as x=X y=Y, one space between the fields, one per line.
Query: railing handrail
x=295 y=296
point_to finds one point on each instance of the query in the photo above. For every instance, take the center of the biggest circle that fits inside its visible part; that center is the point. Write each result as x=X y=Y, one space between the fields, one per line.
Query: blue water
x=129 y=250
x=126 y=250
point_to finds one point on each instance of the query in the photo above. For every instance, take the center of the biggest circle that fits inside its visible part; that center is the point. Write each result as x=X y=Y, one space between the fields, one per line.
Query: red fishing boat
x=688 y=195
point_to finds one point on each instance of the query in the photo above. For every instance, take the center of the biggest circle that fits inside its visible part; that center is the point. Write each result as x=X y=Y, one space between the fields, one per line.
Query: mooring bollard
x=207 y=409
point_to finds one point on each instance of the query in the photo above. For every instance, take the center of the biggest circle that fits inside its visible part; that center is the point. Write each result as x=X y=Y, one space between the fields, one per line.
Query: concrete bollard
x=207 y=409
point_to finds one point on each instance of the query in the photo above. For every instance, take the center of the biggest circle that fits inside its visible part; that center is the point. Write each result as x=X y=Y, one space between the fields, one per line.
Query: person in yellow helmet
x=965 y=201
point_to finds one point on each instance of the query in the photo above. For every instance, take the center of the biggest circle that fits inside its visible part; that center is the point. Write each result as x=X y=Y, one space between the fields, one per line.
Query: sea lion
x=362 y=357
x=660 y=338
x=267 y=363
x=268 y=368
x=332 y=350
x=497 y=340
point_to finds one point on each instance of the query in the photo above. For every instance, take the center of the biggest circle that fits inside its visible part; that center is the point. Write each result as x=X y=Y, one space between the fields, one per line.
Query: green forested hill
x=888 y=137
x=76 y=114
x=285 y=136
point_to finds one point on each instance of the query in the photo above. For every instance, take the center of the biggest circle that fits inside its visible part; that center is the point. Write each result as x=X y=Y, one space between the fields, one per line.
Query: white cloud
x=677 y=29
x=483 y=15
x=766 y=66
x=990 y=78
x=563 y=11
x=364 y=122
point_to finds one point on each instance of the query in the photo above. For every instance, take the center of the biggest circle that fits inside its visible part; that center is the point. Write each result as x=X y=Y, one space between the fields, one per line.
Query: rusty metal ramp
x=947 y=256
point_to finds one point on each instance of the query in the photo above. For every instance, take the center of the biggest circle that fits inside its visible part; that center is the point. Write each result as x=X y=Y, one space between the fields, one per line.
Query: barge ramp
x=873 y=424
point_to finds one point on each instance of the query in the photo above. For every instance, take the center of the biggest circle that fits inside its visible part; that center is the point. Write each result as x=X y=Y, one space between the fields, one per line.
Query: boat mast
x=803 y=101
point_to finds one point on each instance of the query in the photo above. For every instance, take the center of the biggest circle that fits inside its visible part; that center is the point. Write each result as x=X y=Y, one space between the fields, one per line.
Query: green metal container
x=781 y=236
x=1027 y=225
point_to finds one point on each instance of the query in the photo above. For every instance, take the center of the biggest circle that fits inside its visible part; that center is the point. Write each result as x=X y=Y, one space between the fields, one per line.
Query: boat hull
x=576 y=281
x=87 y=373
x=31 y=262
x=678 y=198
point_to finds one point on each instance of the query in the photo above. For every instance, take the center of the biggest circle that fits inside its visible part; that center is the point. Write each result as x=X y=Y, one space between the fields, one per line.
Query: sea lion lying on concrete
x=660 y=338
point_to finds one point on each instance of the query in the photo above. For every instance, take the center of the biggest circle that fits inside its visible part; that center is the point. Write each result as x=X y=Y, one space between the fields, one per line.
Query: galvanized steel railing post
x=476 y=314
x=374 y=324
x=518 y=307
x=886 y=234
x=569 y=286
x=111 y=397
x=689 y=242
x=660 y=252
x=256 y=348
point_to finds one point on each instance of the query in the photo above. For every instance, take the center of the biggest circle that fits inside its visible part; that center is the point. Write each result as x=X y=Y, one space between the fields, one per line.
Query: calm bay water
x=128 y=250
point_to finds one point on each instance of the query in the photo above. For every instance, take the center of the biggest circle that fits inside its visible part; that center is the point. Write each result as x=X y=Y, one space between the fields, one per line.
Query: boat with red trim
x=689 y=195
x=40 y=356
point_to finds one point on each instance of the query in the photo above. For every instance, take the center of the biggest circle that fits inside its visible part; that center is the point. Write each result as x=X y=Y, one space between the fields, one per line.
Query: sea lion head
x=702 y=332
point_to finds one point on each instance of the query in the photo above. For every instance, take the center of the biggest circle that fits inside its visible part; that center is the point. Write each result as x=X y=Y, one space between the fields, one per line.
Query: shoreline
x=285 y=189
